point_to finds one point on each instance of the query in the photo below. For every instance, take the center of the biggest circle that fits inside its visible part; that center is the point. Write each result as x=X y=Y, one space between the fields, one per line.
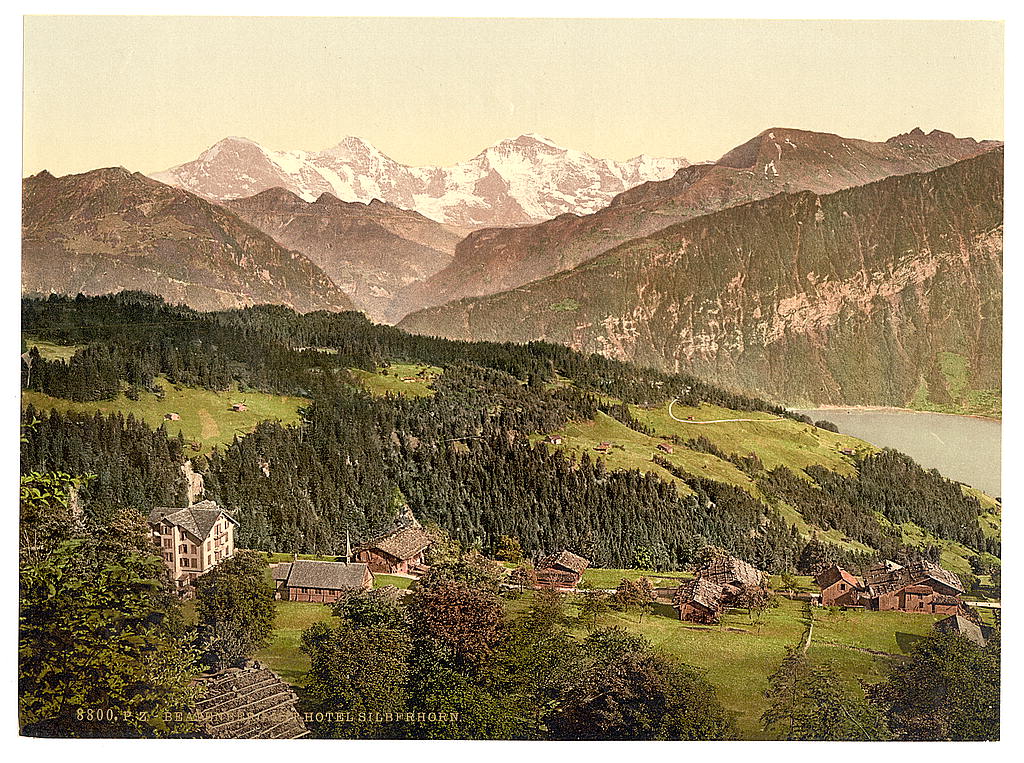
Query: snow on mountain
x=514 y=182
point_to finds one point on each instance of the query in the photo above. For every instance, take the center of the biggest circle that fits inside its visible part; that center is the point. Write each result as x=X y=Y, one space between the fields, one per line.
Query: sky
x=150 y=92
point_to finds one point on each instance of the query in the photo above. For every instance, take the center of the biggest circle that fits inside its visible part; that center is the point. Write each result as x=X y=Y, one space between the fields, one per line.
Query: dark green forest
x=461 y=457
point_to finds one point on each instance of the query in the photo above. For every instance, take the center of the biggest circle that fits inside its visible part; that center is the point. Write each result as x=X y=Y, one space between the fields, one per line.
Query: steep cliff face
x=779 y=160
x=108 y=230
x=869 y=295
x=370 y=251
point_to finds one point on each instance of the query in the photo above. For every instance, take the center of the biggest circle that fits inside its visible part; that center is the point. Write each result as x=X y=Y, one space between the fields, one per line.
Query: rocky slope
x=109 y=229
x=862 y=296
x=779 y=160
x=370 y=251
x=515 y=182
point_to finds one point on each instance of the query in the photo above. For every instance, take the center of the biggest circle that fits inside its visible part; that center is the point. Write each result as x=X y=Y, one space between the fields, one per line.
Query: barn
x=561 y=571
x=320 y=582
x=698 y=601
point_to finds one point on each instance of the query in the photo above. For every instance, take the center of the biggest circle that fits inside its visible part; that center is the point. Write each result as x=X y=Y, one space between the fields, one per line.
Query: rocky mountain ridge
x=110 y=230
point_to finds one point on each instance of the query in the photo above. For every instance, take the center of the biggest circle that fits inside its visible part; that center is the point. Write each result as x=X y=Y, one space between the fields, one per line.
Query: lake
x=961 y=447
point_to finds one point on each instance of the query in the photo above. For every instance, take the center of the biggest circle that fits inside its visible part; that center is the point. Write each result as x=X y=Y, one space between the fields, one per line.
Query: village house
x=250 y=702
x=839 y=588
x=734 y=575
x=193 y=540
x=698 y=601
x=917 y=587
x=319 y=582
x=562 y=571
x=398 y=552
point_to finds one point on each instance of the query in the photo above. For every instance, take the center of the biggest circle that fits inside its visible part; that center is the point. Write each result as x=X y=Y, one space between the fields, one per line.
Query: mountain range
x=514 y=182
x=806 y=267
x=110 y=230
x=778 y=160
x=370 y=251
x=885 y=293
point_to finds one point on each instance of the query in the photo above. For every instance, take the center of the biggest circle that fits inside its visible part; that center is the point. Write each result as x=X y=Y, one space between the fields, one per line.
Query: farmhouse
x=839 y=588
x=172 y=416
x=239 y=407
x=561 y=571
x=664 y=447
x=193 y=540
x=250 y=702
x=733 y=574
x=917 y=587
x=398 y=552
x=553 y=439
x=964 y=626
x=603 y=447
x=319 y=582
x=698 y=601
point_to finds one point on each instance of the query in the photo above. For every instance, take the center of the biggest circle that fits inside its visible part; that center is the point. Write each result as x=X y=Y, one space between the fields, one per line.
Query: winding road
x=713 y=421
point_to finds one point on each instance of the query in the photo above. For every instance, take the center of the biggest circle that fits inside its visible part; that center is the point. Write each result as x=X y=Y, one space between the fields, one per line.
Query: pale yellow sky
x=151 y=92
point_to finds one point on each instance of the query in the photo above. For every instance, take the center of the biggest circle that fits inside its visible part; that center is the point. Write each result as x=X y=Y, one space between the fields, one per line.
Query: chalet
x=839 y=588
x=172 y=416
x=409 y=379
x=966 y=627
x=251 y=702
x=561 y=571
x=699 y=601
x=553 y=439
x=319 y=582
x=664 y=447
x=603 y=447
x=734 y=575
x=848 y=451
x=398 y=552
x=193 y=540
x=917 y=587
x=239 y=407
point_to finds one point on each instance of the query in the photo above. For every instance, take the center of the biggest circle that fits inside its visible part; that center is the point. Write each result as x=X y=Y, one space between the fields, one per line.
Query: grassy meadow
x=206 y=416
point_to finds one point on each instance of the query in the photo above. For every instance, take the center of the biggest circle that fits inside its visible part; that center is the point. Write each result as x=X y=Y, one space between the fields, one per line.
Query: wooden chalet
x=239 y=407
x=398 y=552
x=918 y=587
x=839 y=588
x=664 y=447
x=320 y=582
x=699 y=601
x=562 y=571
x=966 y=627
x=734 y=575
x=603 y=447
x=553 y=439
x=250 y=702
x=172 y=416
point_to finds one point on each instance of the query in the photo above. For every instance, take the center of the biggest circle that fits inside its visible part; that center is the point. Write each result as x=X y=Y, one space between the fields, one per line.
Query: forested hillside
x=466 y=456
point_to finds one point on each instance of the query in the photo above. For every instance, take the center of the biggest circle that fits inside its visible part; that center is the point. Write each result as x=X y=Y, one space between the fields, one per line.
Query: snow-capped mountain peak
x=519 y=180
